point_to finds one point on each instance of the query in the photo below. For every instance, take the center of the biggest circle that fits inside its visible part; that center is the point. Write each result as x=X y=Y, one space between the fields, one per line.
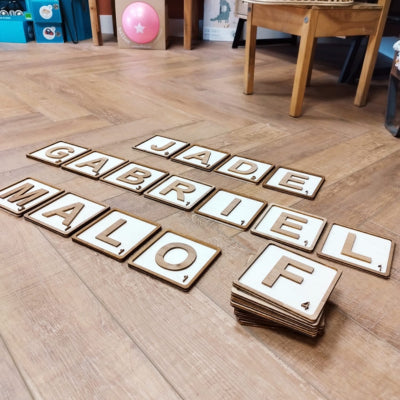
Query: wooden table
x=190 y=16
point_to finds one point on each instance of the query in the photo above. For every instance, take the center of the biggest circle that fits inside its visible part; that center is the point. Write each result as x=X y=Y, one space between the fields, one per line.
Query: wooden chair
x=310 y=22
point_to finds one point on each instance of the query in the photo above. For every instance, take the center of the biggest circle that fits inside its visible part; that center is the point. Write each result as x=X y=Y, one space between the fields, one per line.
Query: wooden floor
x=77 y=325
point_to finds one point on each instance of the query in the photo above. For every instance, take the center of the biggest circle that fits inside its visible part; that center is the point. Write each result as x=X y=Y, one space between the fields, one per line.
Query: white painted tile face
x=307 y=187
x=206 y=158
x=162 y=146
x=11 y=202
x=89 y=210
x=313 y=289
x=185 y=277
x=141 y=177
x=130 y=233
x=308 y=234
x=245 y=210
x=58 y=153
x=244 y=168
x=374 y=247
x=189 y=199
x=79 y=167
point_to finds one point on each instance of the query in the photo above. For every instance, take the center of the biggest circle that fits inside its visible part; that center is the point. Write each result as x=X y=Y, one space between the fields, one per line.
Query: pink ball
x=140 y=22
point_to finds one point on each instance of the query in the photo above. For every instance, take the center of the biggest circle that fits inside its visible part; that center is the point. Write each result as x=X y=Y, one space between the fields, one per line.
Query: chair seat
x=310 y=22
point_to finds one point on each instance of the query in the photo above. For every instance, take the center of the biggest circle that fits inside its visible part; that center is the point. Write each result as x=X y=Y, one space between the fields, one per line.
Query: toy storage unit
x=56 y=21
x=16 y=28
x=47 y=21
x=16 y=24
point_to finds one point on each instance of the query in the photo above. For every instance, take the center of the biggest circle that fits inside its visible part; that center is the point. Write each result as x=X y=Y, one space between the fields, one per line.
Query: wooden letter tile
x=66 y=214
x=231 y=208
x=299 y=183
x=94 y=164
x=134 y=177
x=245 y=168
x=58 y=153
x=201 y=157
x=162 y=146
x=179 y=192
x=358 y=249
x=24 y=195
x=291 y=227
x=116 y=234
x=176 y=259
x=289 y=280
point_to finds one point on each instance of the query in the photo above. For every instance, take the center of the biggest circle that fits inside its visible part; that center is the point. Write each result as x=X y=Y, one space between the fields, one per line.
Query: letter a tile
x=94 y=165
x=201 y=157
x=66 y=214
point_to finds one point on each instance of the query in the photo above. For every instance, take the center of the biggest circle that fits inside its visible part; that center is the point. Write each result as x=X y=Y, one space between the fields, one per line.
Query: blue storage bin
x=49 y=33
x=46 y=11
x=16 y=28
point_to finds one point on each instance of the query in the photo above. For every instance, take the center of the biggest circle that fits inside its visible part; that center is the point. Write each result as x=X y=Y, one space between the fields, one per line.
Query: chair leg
x=391 y=107
x=367 y=70
x=188 y=24
x=311 y=62
x=307 y=42
x=370 y=57
x=95 y=23
x=250 y=53
x=238 y=33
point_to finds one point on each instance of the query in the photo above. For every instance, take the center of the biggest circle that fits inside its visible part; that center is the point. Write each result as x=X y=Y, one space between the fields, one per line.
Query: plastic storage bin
x=46 y=11
x=49 y=33
x=16 y=28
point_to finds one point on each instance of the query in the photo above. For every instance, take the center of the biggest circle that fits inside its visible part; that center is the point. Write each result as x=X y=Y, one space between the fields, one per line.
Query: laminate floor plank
x=77 y=324
x=12 y=385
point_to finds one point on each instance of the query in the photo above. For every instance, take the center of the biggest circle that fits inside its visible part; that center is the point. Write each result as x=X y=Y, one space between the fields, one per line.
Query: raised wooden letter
x=104 y=236
x=96 y=164
x=68 y=213
x=348 y=249
x=23 y=195
x=138 y=174
x=202 y=156
x=283 y=220
x=235 y=167
x=62 y=151
x=290 y=178
x=187 y=262
x=180 y=188
x=280 y=270
x=165 y=147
